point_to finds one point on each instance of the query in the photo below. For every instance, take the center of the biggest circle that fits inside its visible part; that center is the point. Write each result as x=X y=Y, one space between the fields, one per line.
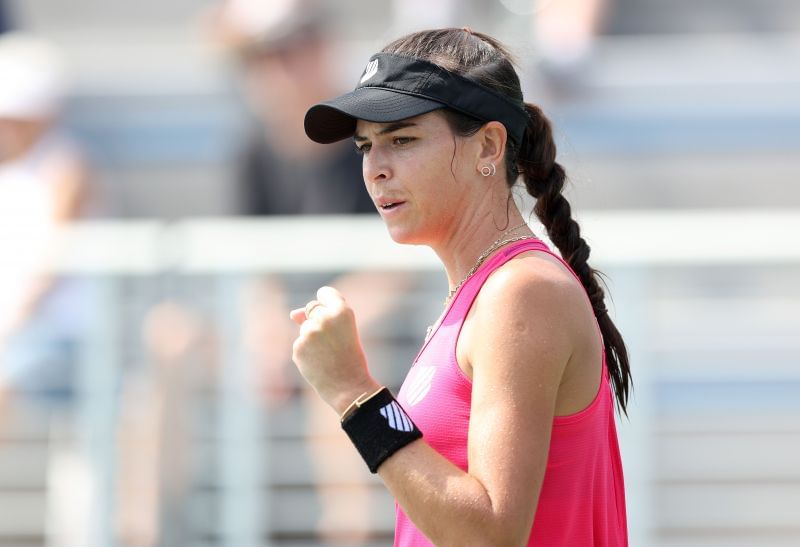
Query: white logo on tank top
x=398 y=420
x=419 y=384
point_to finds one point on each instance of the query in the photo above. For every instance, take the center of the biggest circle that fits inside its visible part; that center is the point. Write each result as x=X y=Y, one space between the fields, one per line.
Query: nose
x=375 y=166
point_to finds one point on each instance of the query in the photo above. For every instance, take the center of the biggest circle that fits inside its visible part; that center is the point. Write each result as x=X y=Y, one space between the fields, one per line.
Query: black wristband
x=379 y=428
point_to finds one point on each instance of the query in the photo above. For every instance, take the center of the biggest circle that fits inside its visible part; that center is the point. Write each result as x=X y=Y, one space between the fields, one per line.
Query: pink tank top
x=582 y=500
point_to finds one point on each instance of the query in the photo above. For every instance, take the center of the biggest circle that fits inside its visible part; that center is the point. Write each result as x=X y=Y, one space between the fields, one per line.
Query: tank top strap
x=463 y=299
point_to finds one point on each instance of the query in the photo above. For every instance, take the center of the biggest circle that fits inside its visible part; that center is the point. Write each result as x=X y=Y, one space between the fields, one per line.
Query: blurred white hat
x=32 y=76
x=260 y=23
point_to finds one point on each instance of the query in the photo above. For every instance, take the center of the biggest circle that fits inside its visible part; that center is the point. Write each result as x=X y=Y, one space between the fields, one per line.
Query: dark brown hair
x=484 y=60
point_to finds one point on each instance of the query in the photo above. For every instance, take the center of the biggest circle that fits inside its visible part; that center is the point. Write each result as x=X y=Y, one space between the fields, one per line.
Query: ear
x=492 y=145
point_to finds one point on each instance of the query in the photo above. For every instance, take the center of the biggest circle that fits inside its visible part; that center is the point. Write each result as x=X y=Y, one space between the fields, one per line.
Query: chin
x=404 y=236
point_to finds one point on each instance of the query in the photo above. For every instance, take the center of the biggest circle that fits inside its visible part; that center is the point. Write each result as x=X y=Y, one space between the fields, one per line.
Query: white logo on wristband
x=398 y=420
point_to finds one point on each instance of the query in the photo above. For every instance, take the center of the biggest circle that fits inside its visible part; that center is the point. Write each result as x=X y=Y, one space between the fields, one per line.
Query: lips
x=388 y=204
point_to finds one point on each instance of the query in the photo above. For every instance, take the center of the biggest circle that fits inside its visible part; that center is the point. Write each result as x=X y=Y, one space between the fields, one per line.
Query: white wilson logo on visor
x=396 y=417
x=370 y=71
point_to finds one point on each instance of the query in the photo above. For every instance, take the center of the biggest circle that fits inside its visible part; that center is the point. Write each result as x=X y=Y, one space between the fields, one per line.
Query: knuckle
x=318 y=324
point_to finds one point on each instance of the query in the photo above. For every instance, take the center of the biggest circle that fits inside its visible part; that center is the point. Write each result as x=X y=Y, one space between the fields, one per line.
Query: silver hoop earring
x=488 y=170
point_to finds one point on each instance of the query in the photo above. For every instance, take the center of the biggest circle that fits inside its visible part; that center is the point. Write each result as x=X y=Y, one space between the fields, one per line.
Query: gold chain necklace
x=480 y=260
x=496 y=245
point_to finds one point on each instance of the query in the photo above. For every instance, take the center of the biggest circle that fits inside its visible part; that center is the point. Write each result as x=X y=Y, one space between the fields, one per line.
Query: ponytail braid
x=544 y=179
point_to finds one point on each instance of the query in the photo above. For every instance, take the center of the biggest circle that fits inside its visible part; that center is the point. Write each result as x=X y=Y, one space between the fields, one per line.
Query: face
x=418 y=174
x=293 y=76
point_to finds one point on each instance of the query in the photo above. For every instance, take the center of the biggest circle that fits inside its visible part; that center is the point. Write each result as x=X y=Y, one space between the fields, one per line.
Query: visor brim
x=336 y=119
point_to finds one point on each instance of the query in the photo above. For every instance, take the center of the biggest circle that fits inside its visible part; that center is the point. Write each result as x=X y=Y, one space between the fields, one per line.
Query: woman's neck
x=477 y=236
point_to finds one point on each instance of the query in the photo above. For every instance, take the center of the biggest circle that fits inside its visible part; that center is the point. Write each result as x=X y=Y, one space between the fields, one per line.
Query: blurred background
x=161 y=211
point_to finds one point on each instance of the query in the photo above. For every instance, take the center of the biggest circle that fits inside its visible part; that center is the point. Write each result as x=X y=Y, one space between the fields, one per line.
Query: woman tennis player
x=503 y=431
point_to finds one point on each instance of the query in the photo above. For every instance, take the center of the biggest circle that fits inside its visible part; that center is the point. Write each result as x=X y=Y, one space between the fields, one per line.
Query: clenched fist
x=328 y=350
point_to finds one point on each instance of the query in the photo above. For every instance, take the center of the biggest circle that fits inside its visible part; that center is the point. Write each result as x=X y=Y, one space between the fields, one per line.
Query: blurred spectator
x=284 y=50
x=43 y=186
x=563 y=34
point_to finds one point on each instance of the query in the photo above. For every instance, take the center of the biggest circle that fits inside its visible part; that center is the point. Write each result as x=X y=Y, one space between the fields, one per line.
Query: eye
x=363 y=149
x=400 y=141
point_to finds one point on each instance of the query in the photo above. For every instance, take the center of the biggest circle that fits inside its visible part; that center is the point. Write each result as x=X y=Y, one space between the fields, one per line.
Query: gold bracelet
x=359 y=402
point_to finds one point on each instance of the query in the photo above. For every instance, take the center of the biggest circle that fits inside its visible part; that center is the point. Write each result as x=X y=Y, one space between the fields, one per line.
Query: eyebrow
x=392 y=127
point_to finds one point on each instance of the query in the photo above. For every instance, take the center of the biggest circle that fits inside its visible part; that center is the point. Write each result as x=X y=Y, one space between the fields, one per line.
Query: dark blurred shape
x=5 y=17
x=655 y=17
x=329 y=184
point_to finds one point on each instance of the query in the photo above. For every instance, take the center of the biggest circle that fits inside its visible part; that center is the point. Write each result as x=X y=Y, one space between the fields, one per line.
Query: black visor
x=396 y=87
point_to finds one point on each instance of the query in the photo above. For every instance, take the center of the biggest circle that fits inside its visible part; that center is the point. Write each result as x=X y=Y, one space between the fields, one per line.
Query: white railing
x=280 y=244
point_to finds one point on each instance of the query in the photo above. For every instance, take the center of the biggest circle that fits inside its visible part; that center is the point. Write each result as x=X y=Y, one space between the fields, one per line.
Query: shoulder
x=525 y=327
x=533 y=284
x=529 y=310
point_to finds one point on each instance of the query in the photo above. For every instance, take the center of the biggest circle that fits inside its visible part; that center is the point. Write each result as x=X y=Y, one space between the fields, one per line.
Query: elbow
x=506 y=526
x=499 y=533
x=503 y=539
x=509 y=535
